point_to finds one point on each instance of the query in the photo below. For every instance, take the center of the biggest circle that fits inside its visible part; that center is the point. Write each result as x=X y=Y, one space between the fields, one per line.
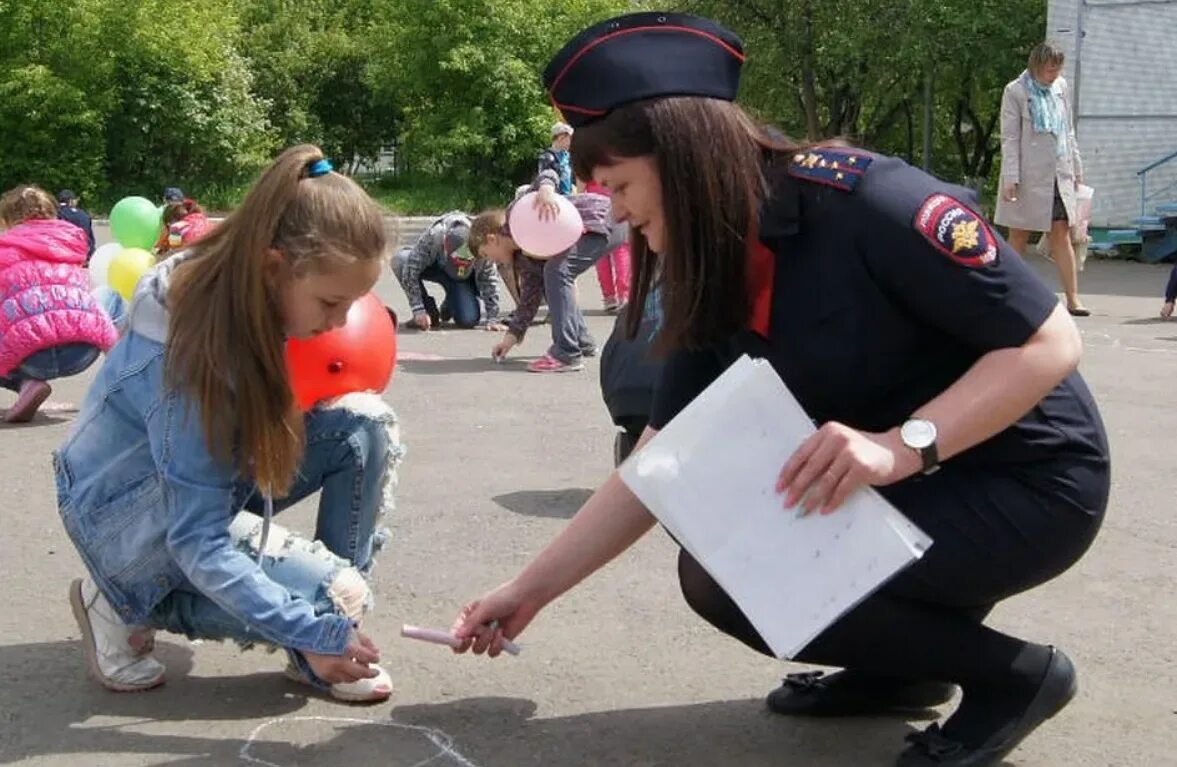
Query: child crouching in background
x=490 y=238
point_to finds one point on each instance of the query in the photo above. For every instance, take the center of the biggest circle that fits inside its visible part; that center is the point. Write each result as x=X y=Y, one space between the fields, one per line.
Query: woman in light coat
x=1040 y=164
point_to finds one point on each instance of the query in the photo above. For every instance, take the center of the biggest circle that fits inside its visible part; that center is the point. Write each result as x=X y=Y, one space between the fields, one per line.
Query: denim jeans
x=570 y=334
x=112 y=303
x=462 y=296
x=351 y=456
x=46 y=365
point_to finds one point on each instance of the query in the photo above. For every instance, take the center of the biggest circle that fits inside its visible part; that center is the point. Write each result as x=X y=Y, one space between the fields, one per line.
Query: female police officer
x=899 y=320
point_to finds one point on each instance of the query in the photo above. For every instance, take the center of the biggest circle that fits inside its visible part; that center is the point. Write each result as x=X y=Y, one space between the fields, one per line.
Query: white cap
x=561 y=129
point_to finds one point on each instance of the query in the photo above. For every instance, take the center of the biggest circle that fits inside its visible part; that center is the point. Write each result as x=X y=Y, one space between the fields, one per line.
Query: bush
x=50 y=135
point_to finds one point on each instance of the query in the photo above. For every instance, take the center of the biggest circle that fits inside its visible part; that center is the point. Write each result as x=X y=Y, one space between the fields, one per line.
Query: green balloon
x=135 y=223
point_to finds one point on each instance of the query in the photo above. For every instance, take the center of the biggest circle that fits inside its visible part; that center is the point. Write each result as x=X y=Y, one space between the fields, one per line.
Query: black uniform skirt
x=998 y=531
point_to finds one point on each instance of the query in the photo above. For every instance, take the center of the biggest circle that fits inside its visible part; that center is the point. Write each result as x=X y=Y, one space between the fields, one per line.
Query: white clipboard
x=709 y=477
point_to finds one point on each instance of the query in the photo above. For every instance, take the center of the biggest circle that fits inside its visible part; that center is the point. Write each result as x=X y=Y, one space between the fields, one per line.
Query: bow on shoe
x=933 y=743
x=805 y=681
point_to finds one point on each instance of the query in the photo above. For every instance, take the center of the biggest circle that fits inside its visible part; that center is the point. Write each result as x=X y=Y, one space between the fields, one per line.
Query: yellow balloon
x=126 y=269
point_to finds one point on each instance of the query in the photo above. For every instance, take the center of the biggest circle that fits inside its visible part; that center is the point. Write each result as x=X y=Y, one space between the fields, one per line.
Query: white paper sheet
x=709 y=477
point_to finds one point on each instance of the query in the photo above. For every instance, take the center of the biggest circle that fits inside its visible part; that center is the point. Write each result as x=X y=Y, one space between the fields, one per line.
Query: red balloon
x=360 y=356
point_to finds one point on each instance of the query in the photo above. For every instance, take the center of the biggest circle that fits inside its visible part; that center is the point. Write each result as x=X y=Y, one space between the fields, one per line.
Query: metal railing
x=1143 y=173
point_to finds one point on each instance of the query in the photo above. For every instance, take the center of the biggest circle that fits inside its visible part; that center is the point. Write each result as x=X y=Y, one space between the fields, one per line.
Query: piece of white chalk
x=446 y=638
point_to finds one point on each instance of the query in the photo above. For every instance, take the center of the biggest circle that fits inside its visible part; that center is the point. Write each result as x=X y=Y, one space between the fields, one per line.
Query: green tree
x=181 y=106
x=52 y=137
x=310 y=61
x=468 y=73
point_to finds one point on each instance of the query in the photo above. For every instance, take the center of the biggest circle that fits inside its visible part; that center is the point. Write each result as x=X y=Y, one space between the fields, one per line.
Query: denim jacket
x=148 y=506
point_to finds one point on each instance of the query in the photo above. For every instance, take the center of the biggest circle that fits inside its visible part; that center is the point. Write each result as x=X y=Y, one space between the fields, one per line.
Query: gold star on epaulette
x=810 y=160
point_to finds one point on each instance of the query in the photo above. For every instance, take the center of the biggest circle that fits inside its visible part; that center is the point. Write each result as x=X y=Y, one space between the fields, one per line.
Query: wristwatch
x=920 y=435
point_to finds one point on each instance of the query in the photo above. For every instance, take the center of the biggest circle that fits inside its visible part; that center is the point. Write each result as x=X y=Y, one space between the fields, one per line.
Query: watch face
x=918 y=433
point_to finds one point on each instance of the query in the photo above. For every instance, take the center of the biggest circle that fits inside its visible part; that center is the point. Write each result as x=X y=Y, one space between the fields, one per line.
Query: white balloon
x=100 y=263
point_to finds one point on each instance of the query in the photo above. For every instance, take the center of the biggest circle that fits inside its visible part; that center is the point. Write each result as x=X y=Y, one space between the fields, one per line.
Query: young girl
x=50 y=324
x=184 y=222
x=613 y=268
x=491 y=238
x=192 y=418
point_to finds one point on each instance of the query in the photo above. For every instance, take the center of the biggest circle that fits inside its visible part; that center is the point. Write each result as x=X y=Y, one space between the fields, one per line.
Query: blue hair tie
x=319 y=168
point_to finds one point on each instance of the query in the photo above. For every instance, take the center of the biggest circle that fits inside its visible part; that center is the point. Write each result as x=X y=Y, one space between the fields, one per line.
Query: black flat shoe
x=1080 y=312
x=931 y=748
x=852 y=693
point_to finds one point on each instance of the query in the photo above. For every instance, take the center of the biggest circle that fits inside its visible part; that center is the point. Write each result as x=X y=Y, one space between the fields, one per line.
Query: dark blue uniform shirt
x=80 y=219
x=888 y=287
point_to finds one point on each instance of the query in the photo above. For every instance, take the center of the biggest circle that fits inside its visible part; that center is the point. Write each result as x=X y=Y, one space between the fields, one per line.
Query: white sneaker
x=119 y=656
x=374 y=690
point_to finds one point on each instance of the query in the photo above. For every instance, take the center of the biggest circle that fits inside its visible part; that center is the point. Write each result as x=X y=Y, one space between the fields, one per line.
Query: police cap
x=641 y=56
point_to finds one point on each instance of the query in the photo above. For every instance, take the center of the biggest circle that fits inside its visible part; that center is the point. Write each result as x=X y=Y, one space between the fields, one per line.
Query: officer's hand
x=1010 y=191
x=509 y=605
x=495 y=326
x=1167 y=310
x=421 y=320
x=837 y=460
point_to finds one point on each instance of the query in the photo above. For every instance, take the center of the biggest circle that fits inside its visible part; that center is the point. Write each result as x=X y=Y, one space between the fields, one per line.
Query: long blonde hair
x=226 y=346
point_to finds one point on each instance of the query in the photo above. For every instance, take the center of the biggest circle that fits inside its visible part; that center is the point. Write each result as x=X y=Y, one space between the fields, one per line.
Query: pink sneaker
x=549 y=364
x=32 y=394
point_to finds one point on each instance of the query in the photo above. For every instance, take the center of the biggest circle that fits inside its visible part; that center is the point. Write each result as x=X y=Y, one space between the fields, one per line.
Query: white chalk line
x=1115 y=343
x=442 y=741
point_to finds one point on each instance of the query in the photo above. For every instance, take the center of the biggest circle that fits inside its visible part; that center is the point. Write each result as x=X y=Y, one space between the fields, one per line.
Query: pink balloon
x=544 y=239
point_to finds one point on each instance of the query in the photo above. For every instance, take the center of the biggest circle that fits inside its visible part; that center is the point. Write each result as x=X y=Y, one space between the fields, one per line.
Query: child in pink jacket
x=50 y=324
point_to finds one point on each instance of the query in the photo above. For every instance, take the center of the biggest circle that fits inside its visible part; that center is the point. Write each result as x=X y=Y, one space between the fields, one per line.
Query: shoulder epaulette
x=839 y=168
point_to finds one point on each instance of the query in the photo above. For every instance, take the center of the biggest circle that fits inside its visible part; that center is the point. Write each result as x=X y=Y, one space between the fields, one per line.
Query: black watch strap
x=930 y=457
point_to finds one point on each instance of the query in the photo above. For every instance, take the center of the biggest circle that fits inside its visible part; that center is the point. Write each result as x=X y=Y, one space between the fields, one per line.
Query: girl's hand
x=1167 y=310
x=504 y=612
x=546 y=202
x=352 y=666
x=499 y=350
x=495 y=327
x=837 y=460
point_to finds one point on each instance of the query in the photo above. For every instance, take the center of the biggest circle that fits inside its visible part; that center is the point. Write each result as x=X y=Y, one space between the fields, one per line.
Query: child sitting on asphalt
x=490 y=237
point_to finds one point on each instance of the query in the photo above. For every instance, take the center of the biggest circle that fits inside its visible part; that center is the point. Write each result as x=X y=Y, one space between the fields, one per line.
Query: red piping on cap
x=659 y=28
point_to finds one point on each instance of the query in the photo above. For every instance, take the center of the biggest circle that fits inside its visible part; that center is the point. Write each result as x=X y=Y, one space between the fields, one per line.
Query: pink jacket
x=45 y=298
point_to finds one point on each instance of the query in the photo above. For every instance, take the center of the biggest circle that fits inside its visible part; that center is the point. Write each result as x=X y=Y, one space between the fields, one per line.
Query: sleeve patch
x=957 y=231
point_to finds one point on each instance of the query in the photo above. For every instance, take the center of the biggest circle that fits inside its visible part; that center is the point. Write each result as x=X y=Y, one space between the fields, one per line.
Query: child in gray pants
x=555 y=277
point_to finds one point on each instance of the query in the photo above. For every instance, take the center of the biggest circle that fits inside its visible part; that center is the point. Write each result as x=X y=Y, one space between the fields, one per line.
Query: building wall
x=1123 y=72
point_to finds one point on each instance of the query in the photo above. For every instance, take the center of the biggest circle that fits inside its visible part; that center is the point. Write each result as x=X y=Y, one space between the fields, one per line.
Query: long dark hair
x=711 y=157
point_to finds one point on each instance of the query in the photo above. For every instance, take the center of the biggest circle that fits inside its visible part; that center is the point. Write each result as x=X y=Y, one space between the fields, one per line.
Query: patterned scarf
x=1047 y=110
